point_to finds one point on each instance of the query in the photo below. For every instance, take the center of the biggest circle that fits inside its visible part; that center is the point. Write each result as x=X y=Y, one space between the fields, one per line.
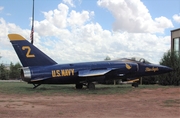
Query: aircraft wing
x=94 y=72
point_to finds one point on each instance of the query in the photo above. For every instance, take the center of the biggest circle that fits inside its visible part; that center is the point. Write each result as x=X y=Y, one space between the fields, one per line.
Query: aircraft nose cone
x=166 y=69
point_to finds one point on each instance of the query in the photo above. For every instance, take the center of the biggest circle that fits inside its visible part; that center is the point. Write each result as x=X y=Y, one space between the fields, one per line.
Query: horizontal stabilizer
x=91 y=73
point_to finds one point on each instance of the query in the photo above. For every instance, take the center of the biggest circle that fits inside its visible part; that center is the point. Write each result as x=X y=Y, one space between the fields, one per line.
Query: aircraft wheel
x=79 y=86
x=135 y=84
x=91 y=86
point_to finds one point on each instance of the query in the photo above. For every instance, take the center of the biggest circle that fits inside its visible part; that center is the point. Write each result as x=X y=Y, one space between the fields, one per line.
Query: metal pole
x=32 y=28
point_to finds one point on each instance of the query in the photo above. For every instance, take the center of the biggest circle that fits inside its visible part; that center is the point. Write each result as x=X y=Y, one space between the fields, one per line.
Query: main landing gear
x=79 y=86
x=90 y=86
x=135 y=84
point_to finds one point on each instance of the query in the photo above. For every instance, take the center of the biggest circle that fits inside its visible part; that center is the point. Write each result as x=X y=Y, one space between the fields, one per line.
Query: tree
x=171 y=59
x=14 y=71
x=107 y=58
x=3 y=72
x=149 y=80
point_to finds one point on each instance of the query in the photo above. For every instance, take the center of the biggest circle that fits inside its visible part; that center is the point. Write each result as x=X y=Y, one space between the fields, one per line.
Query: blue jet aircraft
x=39 y=69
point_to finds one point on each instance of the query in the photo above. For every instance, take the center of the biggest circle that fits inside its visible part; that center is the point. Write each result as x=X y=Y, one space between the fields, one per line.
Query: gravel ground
x=143 y=103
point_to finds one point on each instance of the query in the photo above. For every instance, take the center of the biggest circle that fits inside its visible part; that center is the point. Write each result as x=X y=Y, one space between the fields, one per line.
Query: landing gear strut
x=35 y=86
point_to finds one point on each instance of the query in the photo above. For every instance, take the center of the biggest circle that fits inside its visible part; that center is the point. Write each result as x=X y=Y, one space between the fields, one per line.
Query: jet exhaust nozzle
x=26 y=74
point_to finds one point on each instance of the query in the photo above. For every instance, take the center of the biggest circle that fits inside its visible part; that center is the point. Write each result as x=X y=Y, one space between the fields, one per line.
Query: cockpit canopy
x=137 y=59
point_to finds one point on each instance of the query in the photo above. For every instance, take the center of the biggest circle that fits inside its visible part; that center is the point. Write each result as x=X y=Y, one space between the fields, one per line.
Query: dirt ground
x=145 y=103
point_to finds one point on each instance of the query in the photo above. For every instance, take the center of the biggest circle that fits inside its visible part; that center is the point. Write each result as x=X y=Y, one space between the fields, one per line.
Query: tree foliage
x=170 y=59
x=149 y=80
x=107 y=58
x=14 y=71
x=11 y=72
x=3 y=72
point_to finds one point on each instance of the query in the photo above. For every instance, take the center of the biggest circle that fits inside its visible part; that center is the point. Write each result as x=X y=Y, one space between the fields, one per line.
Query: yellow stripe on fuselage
x=15 y=37
x=134 y=80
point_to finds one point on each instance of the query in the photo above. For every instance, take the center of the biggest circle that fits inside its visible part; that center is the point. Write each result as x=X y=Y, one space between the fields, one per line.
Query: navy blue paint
x=41 y=67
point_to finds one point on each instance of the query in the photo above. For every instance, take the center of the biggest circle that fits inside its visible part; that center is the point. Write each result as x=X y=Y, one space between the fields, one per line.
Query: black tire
x=135 y=84
x=79 y=86
x=91 y=86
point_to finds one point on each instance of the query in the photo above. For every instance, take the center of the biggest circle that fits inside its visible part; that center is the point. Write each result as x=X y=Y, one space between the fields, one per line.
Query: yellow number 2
x=28 y=55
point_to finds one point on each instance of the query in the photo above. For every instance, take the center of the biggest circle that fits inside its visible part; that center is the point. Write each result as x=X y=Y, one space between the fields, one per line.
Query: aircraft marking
x=128 y=66
x=151 y=69
x=62 y=72
x=28 y=55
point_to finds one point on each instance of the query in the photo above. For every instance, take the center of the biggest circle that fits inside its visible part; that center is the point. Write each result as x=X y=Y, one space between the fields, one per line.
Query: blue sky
x=20 y=11
x=90 y=30
x=165 y=8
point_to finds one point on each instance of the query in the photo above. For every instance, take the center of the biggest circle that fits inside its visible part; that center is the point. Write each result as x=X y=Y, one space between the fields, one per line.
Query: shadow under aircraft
x=39 y=69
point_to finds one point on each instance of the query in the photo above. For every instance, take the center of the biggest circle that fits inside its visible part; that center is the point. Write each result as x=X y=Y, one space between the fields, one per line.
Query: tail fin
x=28 y=54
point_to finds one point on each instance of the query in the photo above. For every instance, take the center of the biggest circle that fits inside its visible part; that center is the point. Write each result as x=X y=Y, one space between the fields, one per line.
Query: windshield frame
x=136 y=59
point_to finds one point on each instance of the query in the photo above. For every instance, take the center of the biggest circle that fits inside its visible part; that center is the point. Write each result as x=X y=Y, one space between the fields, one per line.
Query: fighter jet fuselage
x=39 y=69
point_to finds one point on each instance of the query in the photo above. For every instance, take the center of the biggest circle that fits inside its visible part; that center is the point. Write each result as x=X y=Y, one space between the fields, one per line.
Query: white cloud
x=90 y=42
x=78 y=19
x=68 y=40
x=69 y=2
x=6 y=49
x=133 y=16
x=59 y=19
x=1 y=8
x=176 y=18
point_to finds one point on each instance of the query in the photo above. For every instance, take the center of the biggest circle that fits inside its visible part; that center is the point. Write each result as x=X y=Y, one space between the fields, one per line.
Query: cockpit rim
x=136 y=59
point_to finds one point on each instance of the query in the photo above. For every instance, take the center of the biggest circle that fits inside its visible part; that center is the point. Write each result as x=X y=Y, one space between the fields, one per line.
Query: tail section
x=28 y=54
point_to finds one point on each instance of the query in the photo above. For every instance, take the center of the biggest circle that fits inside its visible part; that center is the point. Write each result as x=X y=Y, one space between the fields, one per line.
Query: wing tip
x=15 y=37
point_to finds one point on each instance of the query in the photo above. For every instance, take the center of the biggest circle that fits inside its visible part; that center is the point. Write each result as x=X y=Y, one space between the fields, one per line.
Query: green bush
x=149 y=80
x=170 y=59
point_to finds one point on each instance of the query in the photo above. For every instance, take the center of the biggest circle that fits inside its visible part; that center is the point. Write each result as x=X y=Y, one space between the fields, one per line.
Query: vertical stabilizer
x=28 y=54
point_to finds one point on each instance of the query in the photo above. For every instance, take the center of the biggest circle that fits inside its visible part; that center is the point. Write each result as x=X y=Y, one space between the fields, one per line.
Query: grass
x=172 y=102
x=27 y=89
